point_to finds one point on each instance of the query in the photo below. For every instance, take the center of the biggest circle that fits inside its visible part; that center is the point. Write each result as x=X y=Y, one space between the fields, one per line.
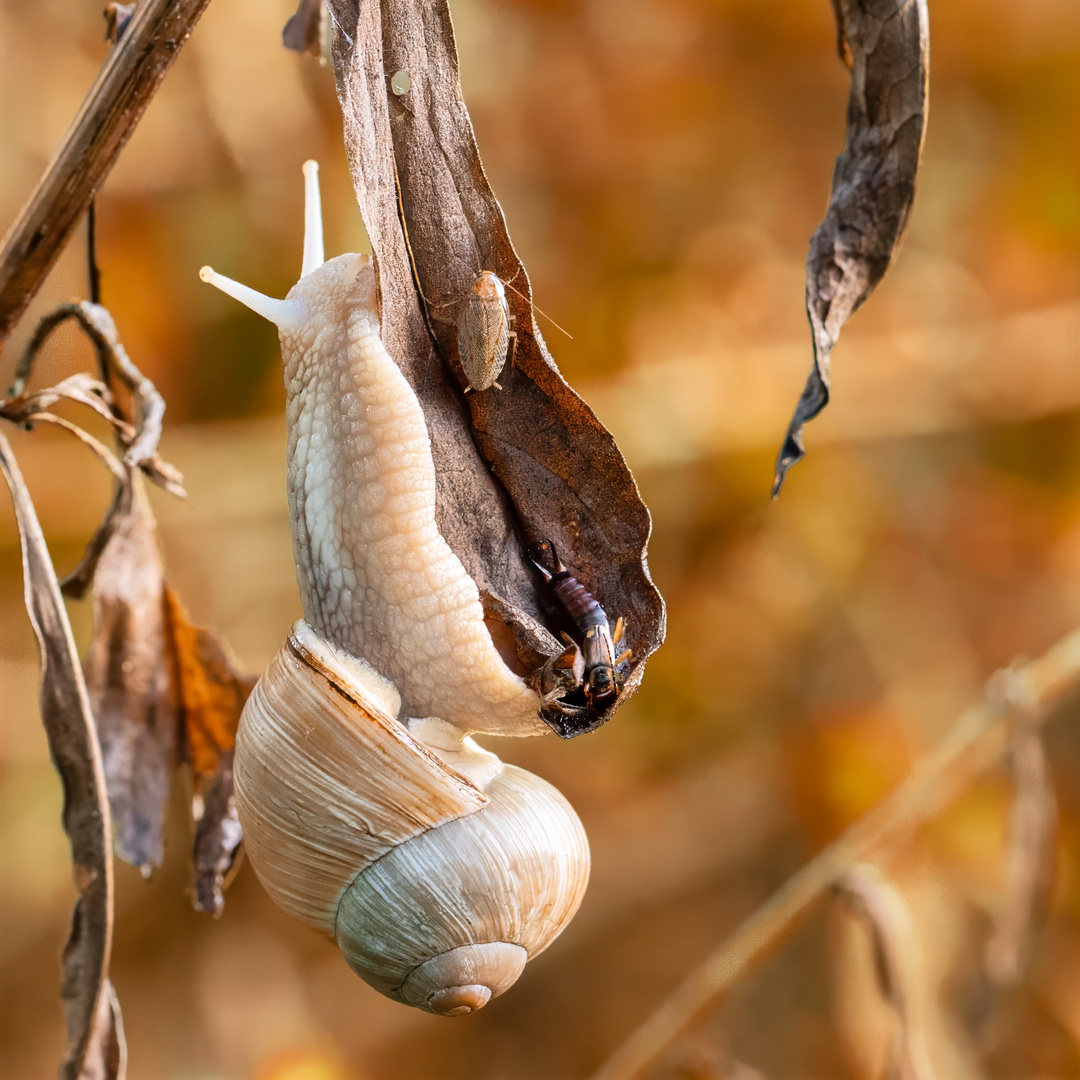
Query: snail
x=368 y=811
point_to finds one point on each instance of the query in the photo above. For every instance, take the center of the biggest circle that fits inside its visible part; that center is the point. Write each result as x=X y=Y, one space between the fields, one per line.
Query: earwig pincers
x=601 y=682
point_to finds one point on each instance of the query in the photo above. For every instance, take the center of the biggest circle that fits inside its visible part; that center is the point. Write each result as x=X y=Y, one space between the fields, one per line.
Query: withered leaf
x=217 y=838
x=129 y=674
x=516 y=466
x=886 y=45
x=106 y=1058
x=211 y=692
x=212 y=696
x=302 y=32
x=69 y=724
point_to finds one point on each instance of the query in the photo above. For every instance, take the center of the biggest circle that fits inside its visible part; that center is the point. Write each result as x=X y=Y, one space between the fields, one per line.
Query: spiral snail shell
x=367 y=809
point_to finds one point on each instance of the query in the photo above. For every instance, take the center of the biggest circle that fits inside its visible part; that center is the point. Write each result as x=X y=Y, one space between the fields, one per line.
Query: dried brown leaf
x=303 y=31
x=212 y=692
x=129 y=673
x=515 y=466
x=212 y=695
x=885 y=43
x=65 y=712
x=160 y=688
x=217 y=838
x=106 y=1058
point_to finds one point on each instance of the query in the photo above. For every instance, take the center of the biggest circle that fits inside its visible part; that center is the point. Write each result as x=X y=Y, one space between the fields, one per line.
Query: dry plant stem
x=897 y=962
x=978 y=739
x=1032 y=835
x=65 y=711
x=98 y=325
x=116 y=102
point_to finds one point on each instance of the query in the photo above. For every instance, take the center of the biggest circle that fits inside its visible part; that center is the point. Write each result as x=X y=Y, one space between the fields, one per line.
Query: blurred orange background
x=661 y=166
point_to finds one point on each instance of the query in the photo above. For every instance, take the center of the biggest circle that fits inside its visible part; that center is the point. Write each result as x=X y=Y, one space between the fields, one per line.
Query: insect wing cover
x=484 y=332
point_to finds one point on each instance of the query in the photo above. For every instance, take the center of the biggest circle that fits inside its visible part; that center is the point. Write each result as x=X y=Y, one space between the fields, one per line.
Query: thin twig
x=140 y=446
x=898 y=965
x=124 y=86
x=977 y=740
x=1032 y=834
x=93 y=271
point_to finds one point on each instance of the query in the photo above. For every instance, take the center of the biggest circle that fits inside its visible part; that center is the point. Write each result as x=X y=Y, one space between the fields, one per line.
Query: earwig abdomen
x=577 y=601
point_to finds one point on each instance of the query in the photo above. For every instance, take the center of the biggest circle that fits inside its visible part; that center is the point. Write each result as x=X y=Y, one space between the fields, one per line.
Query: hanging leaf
x=218 y=838
x=106 y=1058
x=69 y=725
x=885 y=43
x=212 y=692
x=303 y=31
x=516 y=466
x=130 y=677
x=212 y=696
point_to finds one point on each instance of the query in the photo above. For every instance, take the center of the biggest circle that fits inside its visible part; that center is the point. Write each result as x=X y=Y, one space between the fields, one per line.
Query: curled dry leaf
x=152 y=677
x=162 y=690
x=303 y=31
x=212 y=692
x=217 y=838
x=885 y=43
x=515 y=466
x=106 y=1059
x=69 y=724
x=212 y=696
x=130 y=678
x=157 y=684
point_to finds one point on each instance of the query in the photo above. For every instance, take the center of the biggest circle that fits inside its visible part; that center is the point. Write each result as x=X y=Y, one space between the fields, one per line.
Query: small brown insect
x=485 y=339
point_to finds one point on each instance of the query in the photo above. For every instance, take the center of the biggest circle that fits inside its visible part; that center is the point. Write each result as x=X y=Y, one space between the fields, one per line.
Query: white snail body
x=436 y=868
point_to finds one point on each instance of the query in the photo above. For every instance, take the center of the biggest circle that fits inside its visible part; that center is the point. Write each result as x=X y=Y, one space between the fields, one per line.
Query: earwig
x=601 y=680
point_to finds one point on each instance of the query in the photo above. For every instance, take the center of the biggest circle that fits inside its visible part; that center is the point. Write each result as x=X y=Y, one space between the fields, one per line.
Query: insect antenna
x=539 y=310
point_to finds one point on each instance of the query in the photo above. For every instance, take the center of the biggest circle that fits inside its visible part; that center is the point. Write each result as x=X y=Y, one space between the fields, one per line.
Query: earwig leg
x=567 y=639
x=625 y=656
x=620 y=626
x=559 y=568
x=544 y=571
x=497 y=385
x=565 y=661
x=468 y=390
